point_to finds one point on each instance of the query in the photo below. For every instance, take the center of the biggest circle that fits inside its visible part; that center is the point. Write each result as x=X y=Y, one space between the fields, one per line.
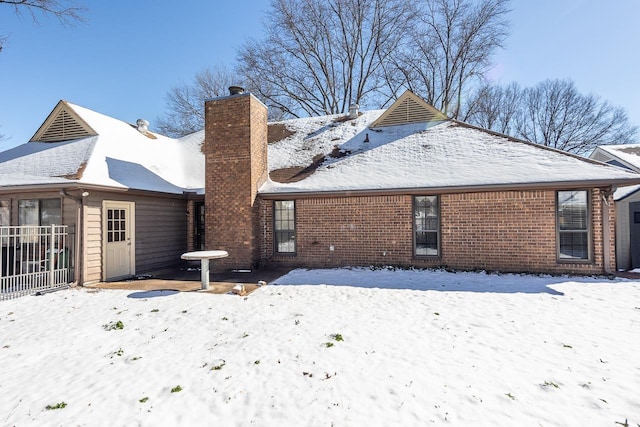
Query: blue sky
x=128 y=54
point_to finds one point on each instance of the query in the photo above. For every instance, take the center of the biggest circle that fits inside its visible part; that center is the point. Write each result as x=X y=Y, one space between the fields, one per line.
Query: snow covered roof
x=111 y=153
x=383 y=150
x=334 y=155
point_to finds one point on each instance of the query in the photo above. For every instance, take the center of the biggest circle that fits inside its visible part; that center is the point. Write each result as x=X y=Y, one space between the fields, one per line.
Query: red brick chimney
x=236 y=166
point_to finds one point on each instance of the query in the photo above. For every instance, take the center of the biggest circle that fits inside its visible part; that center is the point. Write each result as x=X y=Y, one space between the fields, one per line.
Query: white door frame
x=130 y=237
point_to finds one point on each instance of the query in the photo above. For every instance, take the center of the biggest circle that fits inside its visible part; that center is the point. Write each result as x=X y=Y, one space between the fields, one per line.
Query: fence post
x=51 y=256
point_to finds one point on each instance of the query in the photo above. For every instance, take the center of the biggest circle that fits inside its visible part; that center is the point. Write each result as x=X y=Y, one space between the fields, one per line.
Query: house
x=627 y=200
x=406 y=186
x=128 y=195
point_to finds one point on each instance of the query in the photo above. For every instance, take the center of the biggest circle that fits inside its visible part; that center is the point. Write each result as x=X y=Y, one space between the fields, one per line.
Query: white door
x=119 y=252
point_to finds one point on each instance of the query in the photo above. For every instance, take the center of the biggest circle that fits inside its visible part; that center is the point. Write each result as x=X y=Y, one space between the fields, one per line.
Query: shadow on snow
x=432 y=280
x=153 y=294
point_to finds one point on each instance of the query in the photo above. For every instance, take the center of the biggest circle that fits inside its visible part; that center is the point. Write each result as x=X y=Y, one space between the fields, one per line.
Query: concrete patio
x=187 y=279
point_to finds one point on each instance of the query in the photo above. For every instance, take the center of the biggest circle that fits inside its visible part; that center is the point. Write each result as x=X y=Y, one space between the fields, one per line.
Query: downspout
x=79 y=235
x=606 y=233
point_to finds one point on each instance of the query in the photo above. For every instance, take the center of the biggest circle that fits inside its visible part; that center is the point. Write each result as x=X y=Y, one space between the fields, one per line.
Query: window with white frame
x=284 y=227
x=426 y=226
x=573 y=225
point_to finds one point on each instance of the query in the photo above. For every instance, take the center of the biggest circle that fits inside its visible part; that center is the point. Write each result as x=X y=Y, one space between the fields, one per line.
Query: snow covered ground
x=346 y=347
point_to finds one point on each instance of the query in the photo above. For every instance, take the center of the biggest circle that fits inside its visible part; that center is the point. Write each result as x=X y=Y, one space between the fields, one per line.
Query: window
x=36 y=212
x=39 y=212
x=426 y=226
x=4 y=221
x=573 y=225
x=284 y=227
x=4 y=212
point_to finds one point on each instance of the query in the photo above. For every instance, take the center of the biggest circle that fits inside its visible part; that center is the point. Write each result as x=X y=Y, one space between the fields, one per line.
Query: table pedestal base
x=204 y=273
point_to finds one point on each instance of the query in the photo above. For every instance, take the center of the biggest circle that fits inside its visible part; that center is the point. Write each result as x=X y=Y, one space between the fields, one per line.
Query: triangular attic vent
x=409 y=108
x=601 y=157
x=63 y=124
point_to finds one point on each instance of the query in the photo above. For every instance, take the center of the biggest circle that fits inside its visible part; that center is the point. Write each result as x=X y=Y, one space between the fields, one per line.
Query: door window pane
x=116 y=225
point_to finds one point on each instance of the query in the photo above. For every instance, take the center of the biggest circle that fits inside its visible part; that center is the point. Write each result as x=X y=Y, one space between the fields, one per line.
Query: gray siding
x=623 y=233
x=92 y=240
x=161 y=233
x=160 y=228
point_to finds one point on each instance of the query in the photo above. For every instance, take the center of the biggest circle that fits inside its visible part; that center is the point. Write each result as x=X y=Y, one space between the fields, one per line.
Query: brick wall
x=236 y=158
x=506 y=231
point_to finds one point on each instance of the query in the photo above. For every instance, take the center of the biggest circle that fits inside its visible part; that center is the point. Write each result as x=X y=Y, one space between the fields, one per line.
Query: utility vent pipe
x=142 y=125
x=353 y=111
x=236 y=90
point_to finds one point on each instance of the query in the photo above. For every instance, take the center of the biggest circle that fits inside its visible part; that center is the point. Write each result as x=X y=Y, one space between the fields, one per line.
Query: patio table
x=204 y=257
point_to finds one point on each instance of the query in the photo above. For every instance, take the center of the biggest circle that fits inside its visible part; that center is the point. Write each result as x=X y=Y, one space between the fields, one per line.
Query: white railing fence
x=33 y=259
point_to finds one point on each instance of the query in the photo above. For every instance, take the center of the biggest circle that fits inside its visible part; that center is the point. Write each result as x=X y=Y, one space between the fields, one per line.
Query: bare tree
x=557 y=115
x=66 y=11
x=552 y=113
x=451 y=48
x=494 y=107
x=321 y=57
x=185 y=103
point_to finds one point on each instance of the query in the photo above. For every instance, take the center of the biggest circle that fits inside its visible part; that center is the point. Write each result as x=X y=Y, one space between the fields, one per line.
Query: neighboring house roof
x=623 y=155
x=89 y=148
x=332 y=154
x=626 y=155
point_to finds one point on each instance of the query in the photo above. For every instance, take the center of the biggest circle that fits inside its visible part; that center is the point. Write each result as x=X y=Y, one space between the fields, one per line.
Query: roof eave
x=602 y=183
x=76 y=185
x=56 y=186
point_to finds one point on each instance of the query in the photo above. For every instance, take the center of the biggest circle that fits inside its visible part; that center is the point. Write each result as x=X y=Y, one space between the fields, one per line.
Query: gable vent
x=601 y=157
x=408 y=112
x=63 y=127
x=408 y=109
x=63 y=124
